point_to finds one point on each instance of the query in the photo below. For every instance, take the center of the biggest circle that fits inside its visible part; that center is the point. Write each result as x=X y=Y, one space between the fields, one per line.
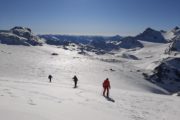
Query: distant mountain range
x=24 y=36
x=118 y=42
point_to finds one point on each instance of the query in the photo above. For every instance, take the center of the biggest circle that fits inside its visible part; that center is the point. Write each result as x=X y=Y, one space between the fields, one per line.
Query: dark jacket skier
x=50 y=77
x=75 y=81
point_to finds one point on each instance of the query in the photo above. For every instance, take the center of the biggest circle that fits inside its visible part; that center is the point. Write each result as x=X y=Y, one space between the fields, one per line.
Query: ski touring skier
x=106 y=86
x=75 y=79
x=50 y=77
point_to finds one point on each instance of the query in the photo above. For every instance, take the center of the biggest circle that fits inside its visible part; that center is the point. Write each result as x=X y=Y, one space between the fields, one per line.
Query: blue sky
x=90 y=17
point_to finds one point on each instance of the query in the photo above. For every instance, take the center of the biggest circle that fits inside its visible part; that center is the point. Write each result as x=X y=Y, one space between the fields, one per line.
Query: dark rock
x=112 y=70
x=168 y=74
x=54 y=54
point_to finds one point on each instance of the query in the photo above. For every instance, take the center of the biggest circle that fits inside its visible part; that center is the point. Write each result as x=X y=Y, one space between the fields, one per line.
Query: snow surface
x=26 y=94
x=168 y=35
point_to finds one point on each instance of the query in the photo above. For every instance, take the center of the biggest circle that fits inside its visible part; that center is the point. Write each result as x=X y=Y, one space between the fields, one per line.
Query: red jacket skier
x=106 y=86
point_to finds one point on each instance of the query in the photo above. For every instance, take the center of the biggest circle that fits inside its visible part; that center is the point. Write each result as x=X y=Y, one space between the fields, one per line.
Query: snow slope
x=26 y=94
x=151 y=35
x=168 y=35
x=37 y=62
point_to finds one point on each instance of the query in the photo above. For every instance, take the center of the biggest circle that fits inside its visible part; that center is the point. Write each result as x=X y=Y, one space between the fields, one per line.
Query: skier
x=75 y=81
x=50 y=77
x=106 y=86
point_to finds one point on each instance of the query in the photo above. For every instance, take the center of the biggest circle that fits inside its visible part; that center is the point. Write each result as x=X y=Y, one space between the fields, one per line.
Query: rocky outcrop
x=19 y=36
x=167 y=74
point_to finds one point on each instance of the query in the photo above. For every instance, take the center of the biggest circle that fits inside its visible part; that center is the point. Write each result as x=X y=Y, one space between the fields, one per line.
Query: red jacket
x=106 y=83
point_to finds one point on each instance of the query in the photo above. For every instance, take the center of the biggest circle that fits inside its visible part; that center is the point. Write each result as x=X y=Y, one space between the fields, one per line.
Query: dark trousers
x=75 y=84
x=106 y=89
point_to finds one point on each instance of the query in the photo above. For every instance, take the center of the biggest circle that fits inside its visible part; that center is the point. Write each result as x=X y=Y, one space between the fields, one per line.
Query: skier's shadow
x=75 y=87
x=109 y=99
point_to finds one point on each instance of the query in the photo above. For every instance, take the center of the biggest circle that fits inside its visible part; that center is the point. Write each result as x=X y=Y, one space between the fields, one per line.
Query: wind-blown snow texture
x=26 y=94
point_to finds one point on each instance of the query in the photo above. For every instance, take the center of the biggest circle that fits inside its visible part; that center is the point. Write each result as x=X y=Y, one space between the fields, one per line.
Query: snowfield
x=26 y=94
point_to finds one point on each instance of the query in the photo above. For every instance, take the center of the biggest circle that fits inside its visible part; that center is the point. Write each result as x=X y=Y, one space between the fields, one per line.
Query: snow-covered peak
x=19 y=36
x=21 y=28
x=22 y=31
x=176 y=30
x=149 y=30
x=172 y=34
x=151 y=35
x=168 y=35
